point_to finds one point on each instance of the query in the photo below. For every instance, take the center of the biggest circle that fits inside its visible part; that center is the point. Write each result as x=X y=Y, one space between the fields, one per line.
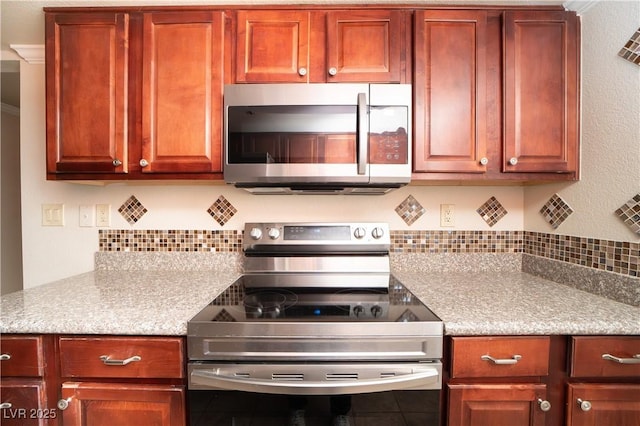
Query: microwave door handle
x=362 y=134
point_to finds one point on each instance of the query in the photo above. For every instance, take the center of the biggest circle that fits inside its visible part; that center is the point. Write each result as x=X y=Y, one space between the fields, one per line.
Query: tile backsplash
x=604 y=255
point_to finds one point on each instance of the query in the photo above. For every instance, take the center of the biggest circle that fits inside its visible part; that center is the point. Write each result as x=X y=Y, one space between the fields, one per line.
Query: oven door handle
x=424 y=377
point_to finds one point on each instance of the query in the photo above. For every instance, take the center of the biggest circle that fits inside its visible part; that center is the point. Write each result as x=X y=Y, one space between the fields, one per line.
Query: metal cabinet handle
x=633 y=360
x=105 y=359
x=144 y=163
x=513 y=360
x=513 y=161
x=584 y=405
x=117 y=163
x=484 y=161
x=5 y=357
x=333 y=71
x=5 y=406
x=302 y=71
x=64 y=403
x=544 y=404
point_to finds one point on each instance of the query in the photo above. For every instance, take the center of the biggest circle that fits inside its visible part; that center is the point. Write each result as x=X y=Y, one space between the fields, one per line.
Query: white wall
x=610 y=131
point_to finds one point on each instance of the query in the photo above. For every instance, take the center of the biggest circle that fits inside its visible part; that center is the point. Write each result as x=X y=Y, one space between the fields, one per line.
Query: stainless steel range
x=317 y=312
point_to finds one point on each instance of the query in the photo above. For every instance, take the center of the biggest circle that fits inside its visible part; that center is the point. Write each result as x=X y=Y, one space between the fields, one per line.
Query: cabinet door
x=450 y=91
x=364 y=46
x=603 y=404
x=499 y=404
x=86 y=72
x=272 y=46
x=24 y=403
x=541 y=55
x=182 y=92
x=108 y=404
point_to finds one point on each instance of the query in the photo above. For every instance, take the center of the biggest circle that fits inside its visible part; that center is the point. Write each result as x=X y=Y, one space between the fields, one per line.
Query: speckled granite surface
x=514 y=303
x=113 y=302
x=469 y=301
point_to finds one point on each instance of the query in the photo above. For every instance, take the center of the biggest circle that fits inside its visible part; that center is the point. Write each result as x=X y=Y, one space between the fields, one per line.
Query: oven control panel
x=360 y=236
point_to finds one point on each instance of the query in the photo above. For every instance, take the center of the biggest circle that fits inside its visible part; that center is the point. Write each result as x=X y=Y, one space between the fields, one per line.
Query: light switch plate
x=87 y=215
x=53 y=215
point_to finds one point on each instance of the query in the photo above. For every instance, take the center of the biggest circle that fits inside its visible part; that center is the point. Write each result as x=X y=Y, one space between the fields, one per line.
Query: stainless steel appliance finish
x=317 y=312
x=317 y=138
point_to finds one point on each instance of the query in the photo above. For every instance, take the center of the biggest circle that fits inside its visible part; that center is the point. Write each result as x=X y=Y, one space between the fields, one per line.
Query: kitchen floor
x=399 y=408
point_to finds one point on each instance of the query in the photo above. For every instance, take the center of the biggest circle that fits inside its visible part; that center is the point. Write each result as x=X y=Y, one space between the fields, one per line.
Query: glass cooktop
x=316 y=298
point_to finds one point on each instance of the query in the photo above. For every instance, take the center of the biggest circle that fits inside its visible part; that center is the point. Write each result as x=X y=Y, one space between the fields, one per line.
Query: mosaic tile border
x=605 y=255
x=170 y=240
x=456 y=241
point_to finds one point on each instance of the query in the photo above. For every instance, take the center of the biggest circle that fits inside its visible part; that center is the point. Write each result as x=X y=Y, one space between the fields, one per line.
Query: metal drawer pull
x=634 y=360
x=512 y=360
x=5 y=357
x=5 y=406
x=544 y=404
x=105 y=359
x=584 y=405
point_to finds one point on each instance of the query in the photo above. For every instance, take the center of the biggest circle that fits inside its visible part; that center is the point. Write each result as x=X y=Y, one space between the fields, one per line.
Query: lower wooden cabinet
x=497 y=404
x=107 y=404
x=591 y=404
x=24 y=403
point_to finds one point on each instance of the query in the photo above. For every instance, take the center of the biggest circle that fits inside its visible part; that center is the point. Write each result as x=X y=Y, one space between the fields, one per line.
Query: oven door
x=265 y=394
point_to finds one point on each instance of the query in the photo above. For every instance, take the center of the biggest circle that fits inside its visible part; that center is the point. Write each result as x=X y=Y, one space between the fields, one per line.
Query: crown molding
x=580 y=6
x=9 y=109
x=32 y=53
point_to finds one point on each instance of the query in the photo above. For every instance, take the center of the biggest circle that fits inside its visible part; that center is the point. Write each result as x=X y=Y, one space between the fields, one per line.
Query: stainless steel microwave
x=317 y=138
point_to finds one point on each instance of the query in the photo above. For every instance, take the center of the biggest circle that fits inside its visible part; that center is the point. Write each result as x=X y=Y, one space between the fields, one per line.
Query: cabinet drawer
x=25 y=403
x=22 y=356
x=133 y=357
x=587 y=356
x=499 y=356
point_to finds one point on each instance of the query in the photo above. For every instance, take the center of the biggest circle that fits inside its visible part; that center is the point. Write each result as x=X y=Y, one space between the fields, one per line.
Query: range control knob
x=274 y=233
x=359 y=233
x=377 y=232
x=376 y=311
x=255 y=233
x=358 y=310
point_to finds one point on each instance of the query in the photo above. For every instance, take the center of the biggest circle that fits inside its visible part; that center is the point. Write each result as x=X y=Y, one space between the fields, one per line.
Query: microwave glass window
x=321 y=134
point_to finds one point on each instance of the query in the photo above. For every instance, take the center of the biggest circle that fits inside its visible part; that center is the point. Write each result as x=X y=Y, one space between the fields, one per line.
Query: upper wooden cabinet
x=496 y=95
x=129 y=94
x=86 y=67
x=450 y=91
x=182 y=92
x=314 y=46
x=541 y=80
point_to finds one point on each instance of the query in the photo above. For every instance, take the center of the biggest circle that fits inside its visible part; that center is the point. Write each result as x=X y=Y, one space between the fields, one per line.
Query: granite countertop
x=161 y=303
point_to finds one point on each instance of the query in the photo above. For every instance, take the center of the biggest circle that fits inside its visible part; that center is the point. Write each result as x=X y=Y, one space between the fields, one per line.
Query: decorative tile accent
x=622 y=257
x=555 y=211
x=631 y=50
x=222 y=210
x=630 y=213
x=492 y=211
x=410 y=210
x=132 y=210
x=456 y=241
x=171 y=240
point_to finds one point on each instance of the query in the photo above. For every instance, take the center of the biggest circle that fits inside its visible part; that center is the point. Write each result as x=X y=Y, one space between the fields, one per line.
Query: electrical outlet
x=103 y=215
x=447 y=217
x=87 y=215
x=53 y=215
